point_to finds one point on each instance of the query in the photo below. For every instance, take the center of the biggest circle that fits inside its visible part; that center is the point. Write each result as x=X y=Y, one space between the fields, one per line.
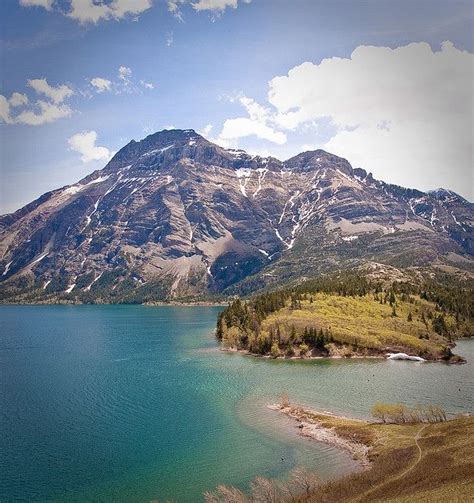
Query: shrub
x=275 y=350
x=304 y=348
x=398 y=413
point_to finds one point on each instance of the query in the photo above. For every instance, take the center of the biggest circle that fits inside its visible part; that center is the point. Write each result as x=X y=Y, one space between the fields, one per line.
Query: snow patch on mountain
x=243 y=175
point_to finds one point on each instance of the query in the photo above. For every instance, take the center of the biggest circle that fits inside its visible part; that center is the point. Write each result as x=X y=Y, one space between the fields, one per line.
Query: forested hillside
x=349 y=315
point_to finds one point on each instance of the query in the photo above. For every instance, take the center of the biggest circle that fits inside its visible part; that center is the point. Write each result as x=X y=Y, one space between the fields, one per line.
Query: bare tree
x=304 y=481
x=225 y=494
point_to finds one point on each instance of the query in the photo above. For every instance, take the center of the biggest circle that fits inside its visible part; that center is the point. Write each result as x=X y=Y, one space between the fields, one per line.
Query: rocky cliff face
x=175 y=216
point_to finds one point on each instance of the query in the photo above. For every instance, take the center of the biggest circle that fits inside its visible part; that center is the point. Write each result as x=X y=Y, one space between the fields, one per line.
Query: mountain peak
x=441 y=193
x=318 y=159
x=157 y=143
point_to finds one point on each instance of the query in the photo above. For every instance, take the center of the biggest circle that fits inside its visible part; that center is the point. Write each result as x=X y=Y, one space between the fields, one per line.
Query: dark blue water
x=134 y=403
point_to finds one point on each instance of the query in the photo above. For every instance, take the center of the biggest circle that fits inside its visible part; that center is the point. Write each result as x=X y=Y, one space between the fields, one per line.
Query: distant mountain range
x=175 y=216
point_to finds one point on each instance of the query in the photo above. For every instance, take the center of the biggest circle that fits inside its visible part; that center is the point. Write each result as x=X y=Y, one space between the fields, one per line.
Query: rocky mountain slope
x=176 y=216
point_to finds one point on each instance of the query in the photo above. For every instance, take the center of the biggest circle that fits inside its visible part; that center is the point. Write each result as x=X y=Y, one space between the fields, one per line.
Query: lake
x=136 y=403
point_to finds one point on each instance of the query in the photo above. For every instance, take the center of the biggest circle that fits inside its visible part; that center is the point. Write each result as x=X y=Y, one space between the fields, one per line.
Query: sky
x=386 y=84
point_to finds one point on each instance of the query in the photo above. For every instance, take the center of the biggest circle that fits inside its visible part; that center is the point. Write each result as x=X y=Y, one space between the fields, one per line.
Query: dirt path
x=363 y=497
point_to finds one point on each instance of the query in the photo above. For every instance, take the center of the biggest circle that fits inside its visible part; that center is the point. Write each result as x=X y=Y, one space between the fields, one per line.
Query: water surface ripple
x=135 y=403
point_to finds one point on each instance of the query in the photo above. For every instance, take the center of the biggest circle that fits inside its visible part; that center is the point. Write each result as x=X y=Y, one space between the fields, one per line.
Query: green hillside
x=349 y=317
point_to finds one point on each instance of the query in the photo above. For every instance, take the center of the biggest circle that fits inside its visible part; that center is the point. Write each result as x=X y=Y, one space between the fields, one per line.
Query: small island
x=350 y=316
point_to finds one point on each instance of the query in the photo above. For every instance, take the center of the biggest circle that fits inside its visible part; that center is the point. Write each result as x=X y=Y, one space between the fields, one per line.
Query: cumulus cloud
x=56 y=94
x=43 y=113
x=18 y=99
x=242 y=127
x=206 y=130
x=5 y=110
x=84 y=143
x=101 y=84
x=40 y=111
x=93 y=11
x=215 y=7
x=260 y=123
x=404 y=113
x=46 y=4
x=19 y=109
x=123 y=83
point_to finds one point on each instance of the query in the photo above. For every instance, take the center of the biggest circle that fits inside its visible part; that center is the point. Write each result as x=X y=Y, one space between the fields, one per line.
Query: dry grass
x=441 y=470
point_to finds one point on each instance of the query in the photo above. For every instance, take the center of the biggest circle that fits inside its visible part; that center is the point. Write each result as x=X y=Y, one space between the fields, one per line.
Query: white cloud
x=5 y=110
x=101 y=84
x=18 y=99
x=43 y=113
x=242 y=127
x=404 y=113
x=56 y=94
x=147 y=85
x=169 y=39
x=260 y=123
x=84 y=143
x=46 y=4
x=173 y=7
x=215 y=7
x=40 y=111
x=206 y=130
x=36 y=114
x=93 y=11
x=123 y=84
x=124 y=72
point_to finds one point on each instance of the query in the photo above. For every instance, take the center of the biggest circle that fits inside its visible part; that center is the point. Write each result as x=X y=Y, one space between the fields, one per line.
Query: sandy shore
x=311 y=428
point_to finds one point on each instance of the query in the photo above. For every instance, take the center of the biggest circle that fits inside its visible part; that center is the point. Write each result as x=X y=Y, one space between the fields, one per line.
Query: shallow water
x=134 y=403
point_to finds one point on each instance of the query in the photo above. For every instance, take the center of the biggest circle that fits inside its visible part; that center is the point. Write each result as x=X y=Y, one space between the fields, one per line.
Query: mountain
x=176 y=216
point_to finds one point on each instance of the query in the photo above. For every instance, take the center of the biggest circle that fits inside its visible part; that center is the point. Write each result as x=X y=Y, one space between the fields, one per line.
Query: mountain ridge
x=177 y=216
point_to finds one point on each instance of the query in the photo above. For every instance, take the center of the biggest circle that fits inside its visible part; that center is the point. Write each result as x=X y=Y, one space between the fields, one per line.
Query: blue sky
x=404 y=113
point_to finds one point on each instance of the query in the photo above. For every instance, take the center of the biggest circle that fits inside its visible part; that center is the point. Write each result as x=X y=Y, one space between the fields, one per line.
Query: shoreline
x=354 y=356
x=245 y=352
x=309 y=427
x=303 y=358
x=149 y=304
x=394 y=456
x=203 y=303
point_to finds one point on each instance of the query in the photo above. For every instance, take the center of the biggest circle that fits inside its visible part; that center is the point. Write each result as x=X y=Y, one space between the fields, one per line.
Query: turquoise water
x=134 y=403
